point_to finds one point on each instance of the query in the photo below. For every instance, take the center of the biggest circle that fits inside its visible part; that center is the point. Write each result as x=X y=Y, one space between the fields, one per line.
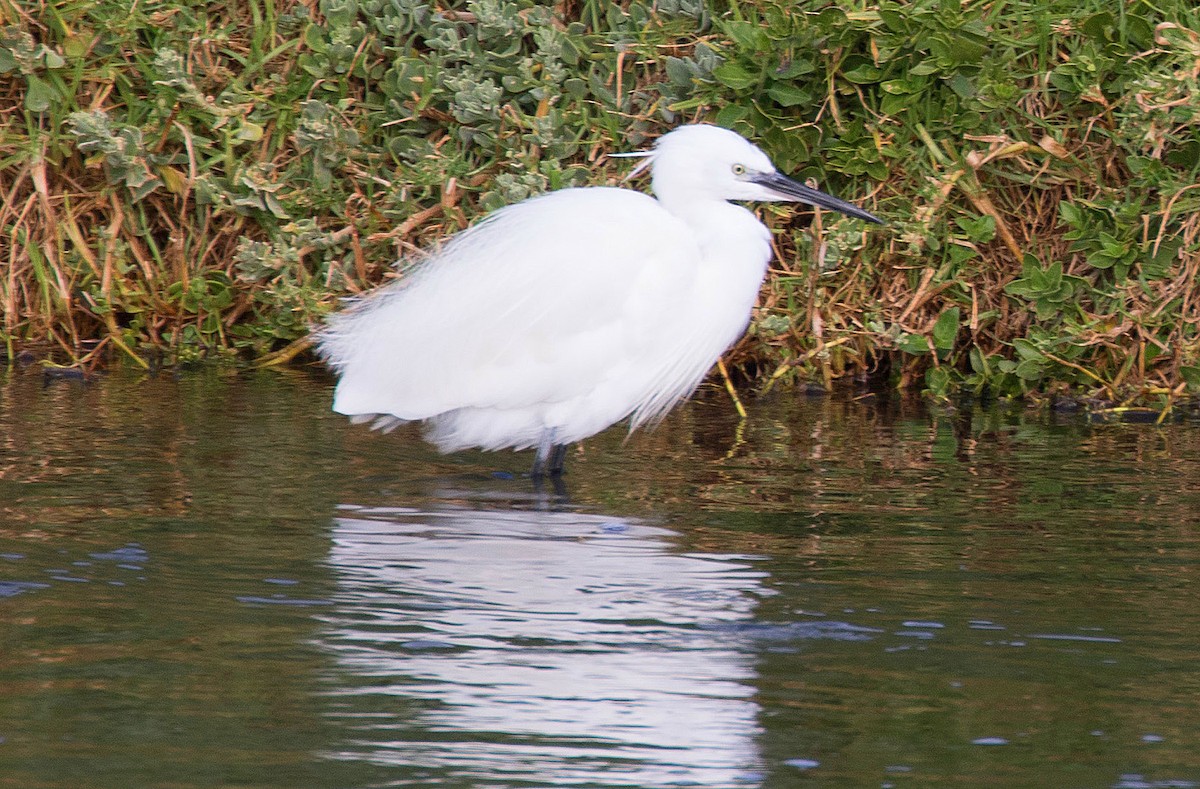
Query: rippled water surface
x=210 y=580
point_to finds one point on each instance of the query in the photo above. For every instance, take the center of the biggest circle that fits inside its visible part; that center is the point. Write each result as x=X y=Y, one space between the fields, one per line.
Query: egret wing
x=540 y=303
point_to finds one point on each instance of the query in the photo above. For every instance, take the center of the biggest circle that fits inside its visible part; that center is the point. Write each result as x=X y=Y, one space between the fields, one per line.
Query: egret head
x=702 y=162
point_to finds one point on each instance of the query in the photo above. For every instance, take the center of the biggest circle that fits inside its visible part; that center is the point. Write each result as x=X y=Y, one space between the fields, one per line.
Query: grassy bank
x=186 y=180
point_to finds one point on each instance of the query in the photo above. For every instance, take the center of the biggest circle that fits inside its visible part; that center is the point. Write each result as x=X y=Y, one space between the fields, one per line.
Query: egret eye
x=739 y=169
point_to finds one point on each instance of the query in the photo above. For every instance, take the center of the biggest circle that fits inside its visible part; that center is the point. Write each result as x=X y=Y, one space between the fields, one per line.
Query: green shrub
x=197 y=179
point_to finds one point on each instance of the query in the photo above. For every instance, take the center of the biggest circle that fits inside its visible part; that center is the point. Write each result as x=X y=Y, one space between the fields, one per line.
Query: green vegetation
x=183 y=179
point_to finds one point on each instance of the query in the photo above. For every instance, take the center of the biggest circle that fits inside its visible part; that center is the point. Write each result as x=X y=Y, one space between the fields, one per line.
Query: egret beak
x=794 y=191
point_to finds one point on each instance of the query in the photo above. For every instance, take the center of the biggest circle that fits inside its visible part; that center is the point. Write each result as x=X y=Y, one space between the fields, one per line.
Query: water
x=209 y=580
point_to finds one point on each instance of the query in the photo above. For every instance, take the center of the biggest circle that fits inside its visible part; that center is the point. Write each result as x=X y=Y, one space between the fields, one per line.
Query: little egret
x=563 y=314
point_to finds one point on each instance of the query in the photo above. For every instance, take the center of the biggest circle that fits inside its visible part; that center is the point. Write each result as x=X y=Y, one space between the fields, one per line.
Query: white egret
x=563 y=314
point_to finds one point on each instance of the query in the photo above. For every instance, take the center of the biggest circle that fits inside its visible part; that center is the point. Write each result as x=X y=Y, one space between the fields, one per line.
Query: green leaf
x=792 y=67
x=832 y=18
x=1027 y=350
x=1029 y=369
x=575 y=87
x=788 y=95
x=731 y=75
x=730 y=114
x=937 y=380
x=966 y=48
x=1045 y=309
x=747 y=36
x=912 y=343
x=863 y=74
x=140 y=189
x=980 y=229
x=51 y=59
x=1097 y=25
x=1161 y=265
x=1070 y=214
x=1053 y=275
x=878 y=170
x=979 y=362
x=39 y=95
x=678 y=71
x=1139 y=30
x=945 y=330
x=962 y=85
x=248 y=132
x=75 y=45
x=894 y=20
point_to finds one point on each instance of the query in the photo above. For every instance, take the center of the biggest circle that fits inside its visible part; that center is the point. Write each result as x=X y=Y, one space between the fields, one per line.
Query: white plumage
x=563 y=314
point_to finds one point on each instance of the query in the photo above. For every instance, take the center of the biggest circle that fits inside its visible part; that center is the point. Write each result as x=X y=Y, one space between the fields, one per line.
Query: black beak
x=798 y=192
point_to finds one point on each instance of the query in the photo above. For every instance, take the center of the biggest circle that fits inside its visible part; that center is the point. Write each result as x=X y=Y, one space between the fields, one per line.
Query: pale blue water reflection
x=555 y=648
x=211 y=581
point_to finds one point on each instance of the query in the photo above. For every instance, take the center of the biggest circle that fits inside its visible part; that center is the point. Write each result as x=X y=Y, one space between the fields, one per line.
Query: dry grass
x=260 y=160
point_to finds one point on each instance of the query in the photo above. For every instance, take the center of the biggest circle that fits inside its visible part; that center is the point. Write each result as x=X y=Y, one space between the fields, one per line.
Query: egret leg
x=550 y=457
x=558 y=459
